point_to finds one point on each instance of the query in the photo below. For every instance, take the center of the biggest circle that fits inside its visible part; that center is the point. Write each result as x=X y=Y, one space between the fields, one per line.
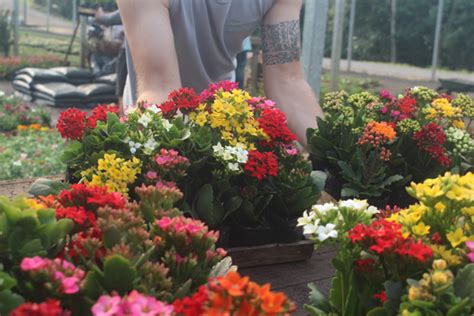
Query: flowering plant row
x=413 y=261
x=15 y=114
x=372 y=146
x=232 y=155
x=87 y=251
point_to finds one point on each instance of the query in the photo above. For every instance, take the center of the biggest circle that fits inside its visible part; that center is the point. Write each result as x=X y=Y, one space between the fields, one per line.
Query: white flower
x=306 y=219
x=154 y=108
x=233 y=166
x=323 y=208
x=2 y=94
x=167 y=125
x=218 y=148
x=355 y=204
x=372 y=210
x=150 y=144
x=325 y=232
x=17 y=163
x=145 y=119
x=134 y=146
x=310 y=229
x=23 y=156
x=227 y=156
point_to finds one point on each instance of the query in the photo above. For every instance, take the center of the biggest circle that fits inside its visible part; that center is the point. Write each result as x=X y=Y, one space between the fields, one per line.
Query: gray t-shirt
x=208 y=34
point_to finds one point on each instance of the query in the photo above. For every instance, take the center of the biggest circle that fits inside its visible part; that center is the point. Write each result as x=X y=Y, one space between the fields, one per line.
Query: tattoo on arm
x=281 y=42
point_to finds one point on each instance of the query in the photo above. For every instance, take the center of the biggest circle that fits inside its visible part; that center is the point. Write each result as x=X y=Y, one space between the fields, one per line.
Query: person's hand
x=99 y=13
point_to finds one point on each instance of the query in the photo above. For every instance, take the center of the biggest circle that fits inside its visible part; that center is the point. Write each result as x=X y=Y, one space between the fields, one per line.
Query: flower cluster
x=431 y=138
x=273 y=122
x=325 y=221
x=50 y=307
x=183 y=100
x=58 y=276
x=460 y=140
x=386 y=239
x=168 y=164
x=114 y=173
x=73 y=122
x=233 y=156
x=99 y=113
x=210 y=93
x=261 y=165
x=237 y=295
x=134 y=304
x=378 y=135
x=193 y=305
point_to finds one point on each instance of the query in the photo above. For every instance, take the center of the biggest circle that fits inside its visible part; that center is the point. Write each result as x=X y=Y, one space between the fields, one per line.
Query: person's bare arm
x=283 y=76
x=150 y=38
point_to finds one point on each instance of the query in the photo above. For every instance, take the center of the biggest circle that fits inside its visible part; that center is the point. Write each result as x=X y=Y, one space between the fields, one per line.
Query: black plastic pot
x=242 y=236
x=224 y=237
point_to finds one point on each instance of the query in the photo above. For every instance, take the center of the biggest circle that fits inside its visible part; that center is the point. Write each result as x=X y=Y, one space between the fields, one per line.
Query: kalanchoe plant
x=233 y=156
x=372 y=146
x=382 y=253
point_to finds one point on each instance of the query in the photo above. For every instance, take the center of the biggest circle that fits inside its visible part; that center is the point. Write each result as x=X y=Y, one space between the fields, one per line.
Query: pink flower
x=32 y=264
x=107 y=305
x=471 y=257
x=70 y=285
x=291 y=151
x=164 y=223
x=140 y=305
x=179 y=258
x=151 y=175
x=193 y=228
x=470 y=245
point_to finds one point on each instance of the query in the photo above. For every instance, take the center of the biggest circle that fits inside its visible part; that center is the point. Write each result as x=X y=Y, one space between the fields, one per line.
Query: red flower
x=431 y=138
x=274 y=124
x=436 y=238
x=208 y=94
x=49 y=308
x=382 y=296
x=99 y=113
x=364 y=265
x=415 y=250
x=77 y=214
x=407 y=105
x=184 y=99
x=192 y=306
x=261 y=165
x=71 y=124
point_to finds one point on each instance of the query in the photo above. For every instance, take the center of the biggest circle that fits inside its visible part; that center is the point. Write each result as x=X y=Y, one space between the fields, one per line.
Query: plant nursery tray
x=245 y=257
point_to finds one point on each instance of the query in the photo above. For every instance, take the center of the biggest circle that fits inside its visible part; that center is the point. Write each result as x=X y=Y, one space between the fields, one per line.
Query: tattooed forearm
x=281 y=42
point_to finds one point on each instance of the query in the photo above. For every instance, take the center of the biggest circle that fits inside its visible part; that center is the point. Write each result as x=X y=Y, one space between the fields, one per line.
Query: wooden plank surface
x=12 y=188
x=292 y=278
x=245 y=257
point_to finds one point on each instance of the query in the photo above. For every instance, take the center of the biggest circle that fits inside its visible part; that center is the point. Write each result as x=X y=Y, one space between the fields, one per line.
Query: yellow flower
x=33 y=204
x=447 y=255
x=456 y=238
x=458 y=124
x=421 y=229
x=440 y=207
x=201 y=119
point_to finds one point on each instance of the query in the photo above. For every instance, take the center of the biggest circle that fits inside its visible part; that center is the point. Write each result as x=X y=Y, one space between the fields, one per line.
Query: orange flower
x=233 y=283
x=272 y=303
x=35 y=126
x=383 y=129
x=246 y=309
x=219 y=305
x=22 y=127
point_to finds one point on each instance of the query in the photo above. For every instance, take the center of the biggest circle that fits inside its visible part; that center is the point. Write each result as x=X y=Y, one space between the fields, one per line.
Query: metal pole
x=393 y=43
x=439 y=21
x=16 y=9
x=25 y=11
x=351 y=34
x=83 y=30
x=74 y=14
x=337 y=44
x=48 y=3
x=314 y=33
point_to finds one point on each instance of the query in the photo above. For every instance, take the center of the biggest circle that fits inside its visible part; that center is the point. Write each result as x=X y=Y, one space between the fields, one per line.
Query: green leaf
x=31 y=248
x=464 y=283
x=73 y=154
x=111 y=237
x=206 y=208
x=119 y=274
x=45 y=187
x=378 y=311
x=348 y=192
x=9 y=301
x=318 y=179
x=314 y=311
x=391 y=180
x=92 y=143
x=317 y=299
x=92 y=287
x=184 y=289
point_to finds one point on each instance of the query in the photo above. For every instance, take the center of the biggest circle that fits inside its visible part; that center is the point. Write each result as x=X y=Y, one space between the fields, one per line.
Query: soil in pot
x=242 y=236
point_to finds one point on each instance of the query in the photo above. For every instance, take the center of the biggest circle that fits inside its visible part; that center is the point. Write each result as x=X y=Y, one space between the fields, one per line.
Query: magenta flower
x=164 y=223
x=70 y=285
x=107 y=306
x=33 y=264
x=470 y=246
